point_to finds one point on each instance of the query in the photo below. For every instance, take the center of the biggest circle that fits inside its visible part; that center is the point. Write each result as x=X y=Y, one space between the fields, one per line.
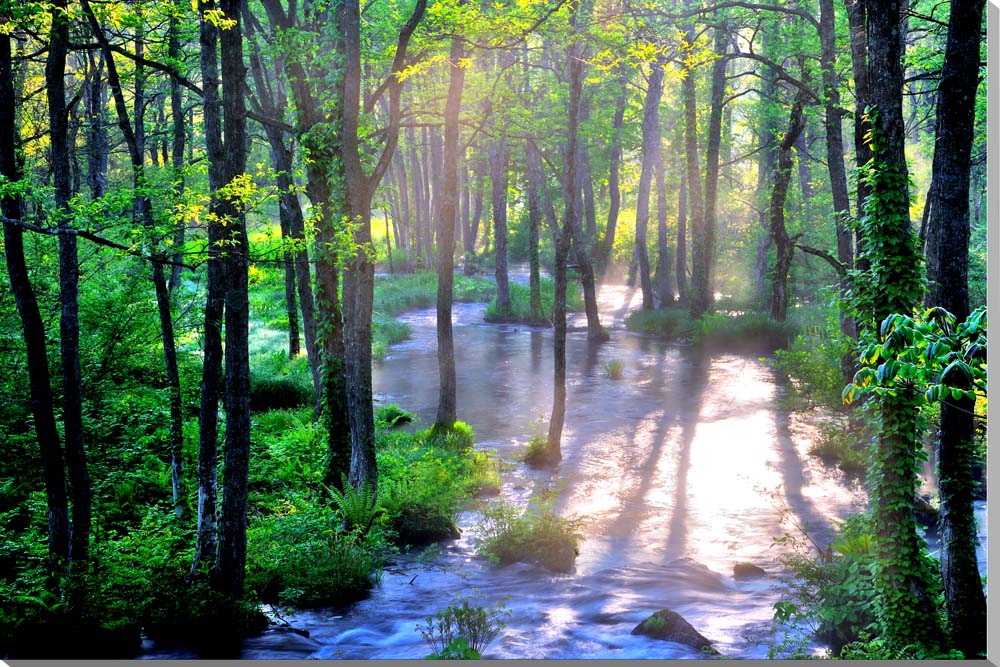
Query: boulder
x=748 y=571
x=670 y=626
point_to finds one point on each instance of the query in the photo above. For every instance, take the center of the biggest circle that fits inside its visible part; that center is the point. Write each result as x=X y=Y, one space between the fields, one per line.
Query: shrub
x=613 y=369
x=812 y=359
x=455 y=439
x=303 y=558
x=278 y=383
x=391 y=415
x=667 y=322
x=835 y=596
x=509 y=535
x=463 y=631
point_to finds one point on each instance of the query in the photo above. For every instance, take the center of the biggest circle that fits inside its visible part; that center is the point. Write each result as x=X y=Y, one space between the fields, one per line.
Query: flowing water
x=680 y=469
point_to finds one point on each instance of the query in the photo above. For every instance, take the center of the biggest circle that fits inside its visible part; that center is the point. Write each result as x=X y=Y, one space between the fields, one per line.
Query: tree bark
x=948 y=278
x=144 y=209
x=206 y=547
x=32 y=326
x=907 y=613
x=836 y=167
x=662 y=284
x=179 y=142
x=695 y=205
x=650 y=156
x=856 y=16
x=499 y=175
x=69 y=280
x=784 y=246
x=231 y=558
x=447 y=399
x=703 y=250
x=536 y=186
x=97 y=136
x=614 y=185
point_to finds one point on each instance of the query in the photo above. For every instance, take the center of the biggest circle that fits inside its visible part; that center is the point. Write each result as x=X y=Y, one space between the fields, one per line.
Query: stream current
x=680 y=469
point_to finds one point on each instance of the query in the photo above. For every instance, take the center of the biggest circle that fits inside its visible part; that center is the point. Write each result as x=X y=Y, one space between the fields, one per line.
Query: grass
x=508 y=535
x=613 y=369
x=666 y=323
x=520 y=307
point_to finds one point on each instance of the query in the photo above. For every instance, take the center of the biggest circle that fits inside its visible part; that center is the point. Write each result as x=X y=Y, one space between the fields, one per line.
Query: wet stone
x=670 y=626
x=748 y=571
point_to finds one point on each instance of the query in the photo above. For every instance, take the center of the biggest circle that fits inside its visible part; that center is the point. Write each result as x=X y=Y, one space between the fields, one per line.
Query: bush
x=812 y=359
x=613 y=369
x=667 y=322
x=463 y=631
x=391 y=416
x=455 y=439
x=509 y=535
x=835 y=595
x=304 y=558
x=279 y=383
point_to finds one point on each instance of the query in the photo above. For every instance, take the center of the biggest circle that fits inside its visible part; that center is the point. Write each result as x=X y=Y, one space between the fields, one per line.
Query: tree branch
x=822 y=254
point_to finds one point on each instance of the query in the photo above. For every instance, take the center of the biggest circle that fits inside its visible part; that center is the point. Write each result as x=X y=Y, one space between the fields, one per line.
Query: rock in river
x=747 y=571
x=669 y=625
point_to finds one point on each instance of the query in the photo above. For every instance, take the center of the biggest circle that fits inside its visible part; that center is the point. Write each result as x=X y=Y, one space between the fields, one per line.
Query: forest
x=510 y=329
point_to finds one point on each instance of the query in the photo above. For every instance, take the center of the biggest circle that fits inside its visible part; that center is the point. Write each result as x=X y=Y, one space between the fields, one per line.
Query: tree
x=69 y=287
x=447 y=220
x=32 y=325
x=650 y=157
x=948 y=288
x=892 y=285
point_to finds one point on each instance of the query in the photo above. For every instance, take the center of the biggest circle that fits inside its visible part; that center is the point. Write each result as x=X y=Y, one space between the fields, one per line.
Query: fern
x=356 y=507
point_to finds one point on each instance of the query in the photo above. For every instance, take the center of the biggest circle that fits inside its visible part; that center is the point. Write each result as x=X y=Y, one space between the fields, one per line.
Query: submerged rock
x=670 y=626
x=748 y=571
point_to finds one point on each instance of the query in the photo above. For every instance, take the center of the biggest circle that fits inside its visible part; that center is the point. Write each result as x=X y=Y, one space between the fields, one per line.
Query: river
x=680 y=469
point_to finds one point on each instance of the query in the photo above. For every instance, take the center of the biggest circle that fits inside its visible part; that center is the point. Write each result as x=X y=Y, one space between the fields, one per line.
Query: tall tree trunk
x=499 y=175
x=478 y=196
x=695 y=205
x=907 y=611
x=682 y=291
x=32 y=326
x=403 y=222
x=447 y=399
x=856 y=17
x=144 y=210
x=836 y=167
x=97 y=136
x=419 y=205
x=947 y=273
x=177 y=149
x=703 y=250
x=614 y=186
x=359 y=274
x=69 y=280
x=428 y=198
x=784 y=245
x=536 y=185
x=206 y=546
x=553 y=448
x=650 y=156
x=233 y=517
x=662 y=284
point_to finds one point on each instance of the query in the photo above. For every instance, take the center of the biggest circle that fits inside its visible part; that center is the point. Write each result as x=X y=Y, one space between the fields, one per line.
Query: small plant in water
x=464 y=630
x=613 y=369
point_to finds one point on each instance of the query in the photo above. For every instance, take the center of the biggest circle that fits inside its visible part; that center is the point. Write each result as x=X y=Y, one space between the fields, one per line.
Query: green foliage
x=520 y=303
x=731 y=330
x=666 y=322
x=457 y=438
x=357 y=508
x=812 y=358
x=391 y=415
x=304 y=558
x=508 y=535
x=463 y=631
x=279 y=383
x=613 y=369
x=833 y=590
